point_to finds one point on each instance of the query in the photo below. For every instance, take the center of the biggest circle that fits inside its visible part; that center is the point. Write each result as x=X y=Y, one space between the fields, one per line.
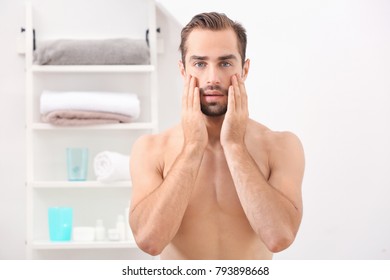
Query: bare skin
x=216 y=187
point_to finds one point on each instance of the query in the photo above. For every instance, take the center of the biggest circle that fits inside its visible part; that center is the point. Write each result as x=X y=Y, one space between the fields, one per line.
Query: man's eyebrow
x=198 y=57
x=226 y=57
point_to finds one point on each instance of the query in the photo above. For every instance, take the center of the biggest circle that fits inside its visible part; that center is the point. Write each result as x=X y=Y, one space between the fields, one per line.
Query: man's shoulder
x=272 y=138
x=279 y=145
x=158 y=140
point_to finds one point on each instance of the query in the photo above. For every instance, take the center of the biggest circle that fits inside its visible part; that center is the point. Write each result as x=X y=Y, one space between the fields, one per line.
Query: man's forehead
x=212 y=44
x=225 y=33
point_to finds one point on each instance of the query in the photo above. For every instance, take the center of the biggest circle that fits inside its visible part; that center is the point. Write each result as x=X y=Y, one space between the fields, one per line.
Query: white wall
x=318 y=68
x=12 y=140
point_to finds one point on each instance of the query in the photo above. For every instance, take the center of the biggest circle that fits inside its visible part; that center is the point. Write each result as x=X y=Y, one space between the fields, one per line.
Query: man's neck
x=214 y=125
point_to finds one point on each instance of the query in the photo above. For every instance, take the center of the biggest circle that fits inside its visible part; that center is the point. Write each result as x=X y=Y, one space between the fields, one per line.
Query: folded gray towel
x=122 y=51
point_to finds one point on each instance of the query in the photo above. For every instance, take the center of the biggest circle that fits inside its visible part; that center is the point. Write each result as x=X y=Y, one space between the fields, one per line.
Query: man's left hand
x=237 y=115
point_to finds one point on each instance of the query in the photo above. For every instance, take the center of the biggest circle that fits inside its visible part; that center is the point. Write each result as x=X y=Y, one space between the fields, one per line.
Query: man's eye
x=225 y=64
x=199 y=64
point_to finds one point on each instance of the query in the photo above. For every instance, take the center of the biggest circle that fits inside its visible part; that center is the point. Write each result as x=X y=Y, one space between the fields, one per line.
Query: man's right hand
x=194 y=127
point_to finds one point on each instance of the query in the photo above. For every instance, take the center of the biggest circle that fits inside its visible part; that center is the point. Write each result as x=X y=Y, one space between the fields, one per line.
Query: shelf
x=79 y=184
x=119 y=126
x=92 y=68
x=47 y=184
x=51 y=245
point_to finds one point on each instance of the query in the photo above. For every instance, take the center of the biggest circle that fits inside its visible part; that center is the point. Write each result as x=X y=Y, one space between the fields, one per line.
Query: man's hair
x=215 y=22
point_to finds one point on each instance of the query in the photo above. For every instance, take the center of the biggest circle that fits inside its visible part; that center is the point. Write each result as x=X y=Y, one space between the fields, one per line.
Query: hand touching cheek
x=236 y=118
x=193 y=125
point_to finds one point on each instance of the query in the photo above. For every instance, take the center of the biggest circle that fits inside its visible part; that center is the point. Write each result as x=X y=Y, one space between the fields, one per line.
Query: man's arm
x=273 y=207
x=158 y=204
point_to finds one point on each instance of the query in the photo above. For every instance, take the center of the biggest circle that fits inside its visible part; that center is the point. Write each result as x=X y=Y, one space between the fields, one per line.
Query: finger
x=191 y=93
x=196 y=98
x=237 y=94
x=244 y=96
x=185 y=92
x=231 y=101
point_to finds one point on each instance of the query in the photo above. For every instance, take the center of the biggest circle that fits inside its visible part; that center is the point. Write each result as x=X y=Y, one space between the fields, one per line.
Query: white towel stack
x=88 y=107
x=112 y=166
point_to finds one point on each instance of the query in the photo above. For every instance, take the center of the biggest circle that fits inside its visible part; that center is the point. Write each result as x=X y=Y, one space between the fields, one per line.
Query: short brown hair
x=213 y=21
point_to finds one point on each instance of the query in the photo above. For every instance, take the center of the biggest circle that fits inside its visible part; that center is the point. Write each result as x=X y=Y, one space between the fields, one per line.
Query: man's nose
x=213 y=75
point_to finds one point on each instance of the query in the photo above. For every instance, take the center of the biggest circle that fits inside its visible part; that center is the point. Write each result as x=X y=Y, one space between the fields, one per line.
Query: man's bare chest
x=214 y=188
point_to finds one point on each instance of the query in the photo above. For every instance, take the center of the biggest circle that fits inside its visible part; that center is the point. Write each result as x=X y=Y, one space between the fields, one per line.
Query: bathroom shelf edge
x=92 y=68
x=45 y=244
x=81 y=184
x=127 y=126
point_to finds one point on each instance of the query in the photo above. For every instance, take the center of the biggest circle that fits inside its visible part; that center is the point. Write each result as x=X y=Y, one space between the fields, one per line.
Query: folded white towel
x=112 y=166
x=111 y=102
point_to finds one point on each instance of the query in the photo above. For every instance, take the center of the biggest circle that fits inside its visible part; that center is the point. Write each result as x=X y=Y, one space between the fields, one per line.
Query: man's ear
x=245 y=69
x=182 y=69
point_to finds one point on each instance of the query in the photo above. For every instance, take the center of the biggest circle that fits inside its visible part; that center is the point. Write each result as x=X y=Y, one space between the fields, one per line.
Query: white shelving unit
x=46 y=183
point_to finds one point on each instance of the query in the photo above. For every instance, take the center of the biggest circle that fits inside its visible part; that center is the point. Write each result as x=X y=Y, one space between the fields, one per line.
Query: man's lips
x=213 y=93
x=213 y=96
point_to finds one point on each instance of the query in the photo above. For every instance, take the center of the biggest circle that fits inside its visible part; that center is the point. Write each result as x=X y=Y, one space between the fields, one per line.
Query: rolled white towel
x=111 y=166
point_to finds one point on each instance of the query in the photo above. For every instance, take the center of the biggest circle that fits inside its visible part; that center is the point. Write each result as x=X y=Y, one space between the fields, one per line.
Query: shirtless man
x=218 y=185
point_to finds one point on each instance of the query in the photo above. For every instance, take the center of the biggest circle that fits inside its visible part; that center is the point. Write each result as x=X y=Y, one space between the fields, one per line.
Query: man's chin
x=212 y=111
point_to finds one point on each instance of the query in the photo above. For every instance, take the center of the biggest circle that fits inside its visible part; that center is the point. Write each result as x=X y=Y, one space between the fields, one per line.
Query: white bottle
x=100 y=231
x=121 y=227
x=113 y=234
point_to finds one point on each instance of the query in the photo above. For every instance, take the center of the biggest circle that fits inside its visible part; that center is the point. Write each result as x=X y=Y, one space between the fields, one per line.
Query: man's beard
x=213 y=109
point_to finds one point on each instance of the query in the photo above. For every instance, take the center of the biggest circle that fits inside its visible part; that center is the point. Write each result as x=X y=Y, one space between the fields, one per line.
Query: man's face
x=213 y=58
